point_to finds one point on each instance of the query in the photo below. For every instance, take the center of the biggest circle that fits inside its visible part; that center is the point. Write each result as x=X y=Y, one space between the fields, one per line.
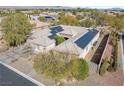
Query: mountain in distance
x=34 y=7
x=58 y=7
x=117 y=8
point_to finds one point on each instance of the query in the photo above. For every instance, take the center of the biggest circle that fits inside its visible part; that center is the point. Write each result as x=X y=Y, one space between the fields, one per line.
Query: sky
x=70 y=3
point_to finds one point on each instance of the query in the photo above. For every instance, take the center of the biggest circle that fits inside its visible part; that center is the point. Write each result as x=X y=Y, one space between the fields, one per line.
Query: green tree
x=16 y=27
x=68 y=20
x=52 y=65
x=88 y=23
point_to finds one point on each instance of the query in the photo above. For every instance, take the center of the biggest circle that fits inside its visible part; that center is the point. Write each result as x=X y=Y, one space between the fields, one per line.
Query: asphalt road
x=11 y=78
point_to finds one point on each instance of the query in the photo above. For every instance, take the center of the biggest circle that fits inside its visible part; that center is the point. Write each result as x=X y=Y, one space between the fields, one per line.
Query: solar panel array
x=56 y=29
x=83 y=41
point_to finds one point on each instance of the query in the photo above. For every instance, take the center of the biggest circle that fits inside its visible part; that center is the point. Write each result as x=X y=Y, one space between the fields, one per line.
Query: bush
x=42 y=19
x=79 y=69
x=16 y=27
x=88 y=23
x=103 y=67
x=52 y=65
x=68 y=20
x=115 y=58
x=59 y=39
x=110 y=68
x=114 y=38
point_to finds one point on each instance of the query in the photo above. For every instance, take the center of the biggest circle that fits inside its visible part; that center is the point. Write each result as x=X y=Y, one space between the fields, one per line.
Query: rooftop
x=86 y=38
x=76 y=44
x=69 y=46
x=40 y=37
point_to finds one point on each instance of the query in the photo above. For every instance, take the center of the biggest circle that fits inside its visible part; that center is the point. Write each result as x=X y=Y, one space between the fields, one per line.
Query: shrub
x=87 y=23
x=103 y=67
x=114 y=38
x=59 y=39
x=42 y=19
x=115 y=58
x=79 y=69
x=110 y=68
x=52 y=65
x=68 y=20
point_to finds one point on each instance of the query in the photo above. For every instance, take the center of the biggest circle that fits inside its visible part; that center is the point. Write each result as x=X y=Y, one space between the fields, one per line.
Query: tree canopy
x=57 y=66
x=16 y=27
x=79 y=68
x=88 y=23
x=68 y=20
x=51 y=65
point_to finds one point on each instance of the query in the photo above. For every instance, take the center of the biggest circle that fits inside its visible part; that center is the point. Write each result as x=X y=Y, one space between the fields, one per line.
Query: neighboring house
x=40 y=42
x=47 y=17
x=34 y=17
x=79 y=44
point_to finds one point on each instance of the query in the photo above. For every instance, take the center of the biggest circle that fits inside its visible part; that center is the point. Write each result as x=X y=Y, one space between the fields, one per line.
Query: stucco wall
x=89 y=46
x=38 y=49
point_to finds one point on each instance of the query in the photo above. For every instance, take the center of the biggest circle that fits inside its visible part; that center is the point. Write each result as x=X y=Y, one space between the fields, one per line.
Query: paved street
x=23 y=63
x=11 y=78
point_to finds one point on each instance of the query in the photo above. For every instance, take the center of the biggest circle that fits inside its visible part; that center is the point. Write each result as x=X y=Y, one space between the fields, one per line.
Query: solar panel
x=83 y=41
x=56 y=29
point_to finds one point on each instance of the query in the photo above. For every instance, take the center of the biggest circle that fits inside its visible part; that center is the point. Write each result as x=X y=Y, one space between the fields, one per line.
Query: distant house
x=40 y=42
x=49 y=18
x=79 y=43
x=34 y=17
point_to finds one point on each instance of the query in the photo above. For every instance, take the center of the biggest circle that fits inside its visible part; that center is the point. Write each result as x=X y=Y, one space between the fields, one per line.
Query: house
x=48 y=18
x=79 y=40
x=39 y=40
x=79 y=43
x=34 y=17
